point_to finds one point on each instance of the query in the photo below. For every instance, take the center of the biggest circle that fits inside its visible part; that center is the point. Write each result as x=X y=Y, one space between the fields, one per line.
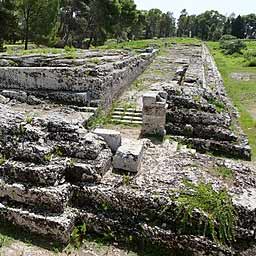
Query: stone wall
x=91 y=79
x=199 y=112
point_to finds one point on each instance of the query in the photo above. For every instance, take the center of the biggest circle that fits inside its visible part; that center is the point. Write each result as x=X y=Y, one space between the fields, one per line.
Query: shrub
x=232 y=46
x=227 y=38
x=250 y=57
x=218 y=216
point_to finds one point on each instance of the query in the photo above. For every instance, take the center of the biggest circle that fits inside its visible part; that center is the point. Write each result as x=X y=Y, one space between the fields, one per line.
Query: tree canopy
x=82 y=23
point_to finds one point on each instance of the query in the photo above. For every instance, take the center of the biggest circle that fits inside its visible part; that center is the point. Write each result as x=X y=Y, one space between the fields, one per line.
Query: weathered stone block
x=128 y=157
x=154 y=113
x=112 y=138
x=18 y=95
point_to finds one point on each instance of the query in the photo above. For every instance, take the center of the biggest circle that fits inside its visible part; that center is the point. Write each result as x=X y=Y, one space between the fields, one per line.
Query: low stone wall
x=80 y=81
x=199 y=111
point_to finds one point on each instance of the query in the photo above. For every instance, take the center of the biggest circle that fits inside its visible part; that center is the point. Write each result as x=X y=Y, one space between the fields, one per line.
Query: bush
x=232 y=46
x=227 y=38
x=250 y=57
x=218 y=215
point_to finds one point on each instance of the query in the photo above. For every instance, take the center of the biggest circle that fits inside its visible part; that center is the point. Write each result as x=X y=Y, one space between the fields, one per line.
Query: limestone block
x=3 y=100
x=12 y=94
x=112 y=138
x=128 y=157
x=154 y=113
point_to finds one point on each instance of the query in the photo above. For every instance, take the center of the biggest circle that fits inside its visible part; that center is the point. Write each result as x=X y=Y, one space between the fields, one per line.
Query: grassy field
x=242 y=93
x=18 y=49
x=140 y=44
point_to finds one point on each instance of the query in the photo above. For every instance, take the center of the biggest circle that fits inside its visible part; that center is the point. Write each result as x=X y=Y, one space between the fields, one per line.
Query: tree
x=183 y=21
x=210 y=25
x=250 y=26
x=167 y=25
x=37 y=18
x=227 y=27
x=138 y=29
x=238 y=27
x=73 y=22
x=153 y=23
x=102 y=17
x=127 y=17
x=7 y=20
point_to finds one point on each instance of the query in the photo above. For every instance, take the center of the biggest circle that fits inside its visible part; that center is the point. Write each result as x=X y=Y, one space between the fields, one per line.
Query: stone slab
x=112 y=137
x=128 y=156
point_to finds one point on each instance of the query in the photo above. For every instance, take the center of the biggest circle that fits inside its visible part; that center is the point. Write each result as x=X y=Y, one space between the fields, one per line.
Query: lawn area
x=140 y=44
x=242 y=93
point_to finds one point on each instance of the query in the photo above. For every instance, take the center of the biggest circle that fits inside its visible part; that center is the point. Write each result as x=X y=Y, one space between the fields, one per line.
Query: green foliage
x=78 y=235
x=227 y=38
x=241 y=92
x=2 y=159
x=95 y=61
x=7 y=20
x=126 y=180
x=220 y=106
x=218 y=216
x=48 y=157
x=100 y=119
x=70 y=52
x=37 y=19
x=250 y=57
x=4 y=240
x=224 y=172
x=29 y=119
x=232 y=46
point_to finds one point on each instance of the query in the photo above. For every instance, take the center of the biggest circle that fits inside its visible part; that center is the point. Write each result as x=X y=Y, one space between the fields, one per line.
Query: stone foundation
x=92 y=79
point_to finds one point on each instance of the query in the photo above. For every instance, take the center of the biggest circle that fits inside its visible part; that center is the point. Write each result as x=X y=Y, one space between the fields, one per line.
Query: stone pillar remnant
x=154 y=113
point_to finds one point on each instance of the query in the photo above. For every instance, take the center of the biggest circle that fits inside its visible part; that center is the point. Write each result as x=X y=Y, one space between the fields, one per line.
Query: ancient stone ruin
x=199 y=111
x=56 y=173
x=91 y=79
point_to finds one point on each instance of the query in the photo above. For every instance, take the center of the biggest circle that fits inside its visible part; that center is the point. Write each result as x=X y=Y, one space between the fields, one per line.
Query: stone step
x=32 y=152
x=127 y=118
x=134 y=114
x=85 y=109
x=126 y=121
x=52 y=174
x=128 y=110
x=52 y=199
x=52 y=226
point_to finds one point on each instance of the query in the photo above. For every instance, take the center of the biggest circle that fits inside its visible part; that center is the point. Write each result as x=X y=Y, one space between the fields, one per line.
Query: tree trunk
x=26 y=35
x=90 y=41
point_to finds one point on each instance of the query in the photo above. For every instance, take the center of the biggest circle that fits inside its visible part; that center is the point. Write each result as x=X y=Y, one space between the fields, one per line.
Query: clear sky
x=225 y=7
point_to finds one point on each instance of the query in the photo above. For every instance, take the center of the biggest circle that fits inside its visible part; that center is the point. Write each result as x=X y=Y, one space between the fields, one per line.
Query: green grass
x=218 y=216
x=5 y=240
x=242 y=93
x=140 y=44
x=223 y=172
x=39 y=50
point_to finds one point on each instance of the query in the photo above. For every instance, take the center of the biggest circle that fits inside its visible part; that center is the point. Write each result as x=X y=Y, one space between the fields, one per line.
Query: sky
x=225 y=7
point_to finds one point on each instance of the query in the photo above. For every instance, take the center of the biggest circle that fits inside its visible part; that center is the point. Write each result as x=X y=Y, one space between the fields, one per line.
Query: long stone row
x=91 y=79
x=199 y=111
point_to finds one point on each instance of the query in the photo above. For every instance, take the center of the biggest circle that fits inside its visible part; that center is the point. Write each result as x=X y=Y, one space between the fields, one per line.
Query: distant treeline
x=82 y=23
